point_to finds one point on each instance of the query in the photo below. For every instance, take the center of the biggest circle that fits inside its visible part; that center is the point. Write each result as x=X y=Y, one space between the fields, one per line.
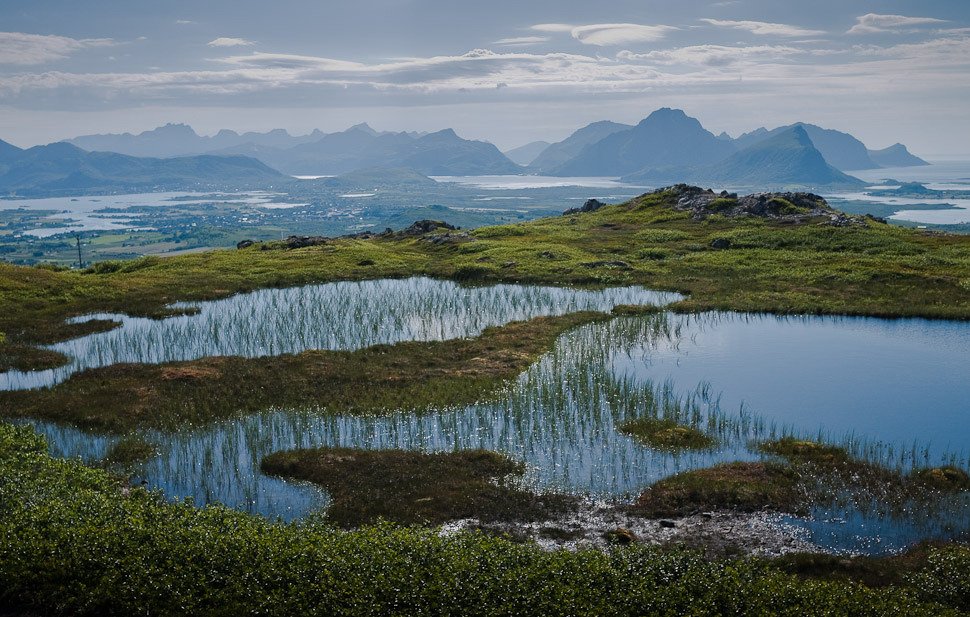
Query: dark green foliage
x=410 y=487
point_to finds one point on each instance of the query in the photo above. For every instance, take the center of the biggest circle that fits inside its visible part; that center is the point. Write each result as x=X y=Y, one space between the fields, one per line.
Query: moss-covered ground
x=666 y=434
x=410 y=487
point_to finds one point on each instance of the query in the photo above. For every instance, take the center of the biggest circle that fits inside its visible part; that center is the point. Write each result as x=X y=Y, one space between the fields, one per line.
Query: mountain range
x=443 y=153
x=62 y=168
x=787 y=158
x=667 y=145
x=174 y=140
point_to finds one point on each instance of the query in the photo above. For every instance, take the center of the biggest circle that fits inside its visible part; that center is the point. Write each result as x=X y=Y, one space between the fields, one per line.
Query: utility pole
x=80 y=264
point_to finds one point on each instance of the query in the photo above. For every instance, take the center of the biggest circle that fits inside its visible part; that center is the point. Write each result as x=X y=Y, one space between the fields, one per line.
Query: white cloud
x=619 y=34
x=226 y=41
x=873 y=22
x=553 y=27
x=603 y=35
x=27 y=49
x=763 y=27
x=713 y=55
x=522 y=40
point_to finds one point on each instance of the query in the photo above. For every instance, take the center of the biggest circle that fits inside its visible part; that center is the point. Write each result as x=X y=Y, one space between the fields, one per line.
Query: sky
x=509 y=72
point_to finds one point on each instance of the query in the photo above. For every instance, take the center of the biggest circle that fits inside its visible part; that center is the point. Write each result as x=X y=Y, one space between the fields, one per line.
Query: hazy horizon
x=504 y=73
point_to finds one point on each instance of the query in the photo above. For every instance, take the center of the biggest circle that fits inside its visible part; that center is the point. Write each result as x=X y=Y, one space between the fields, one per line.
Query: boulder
x=591 y=205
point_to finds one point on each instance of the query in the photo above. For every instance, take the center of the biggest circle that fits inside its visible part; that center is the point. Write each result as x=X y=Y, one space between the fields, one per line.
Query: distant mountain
x=665 y=138
x=181 y=140
x=524 y=155
x=62 y=168
x=896 y=155
x=436 y=154
x=559 y=153
x=8 y=151
x=840 y=150
x=788 y=158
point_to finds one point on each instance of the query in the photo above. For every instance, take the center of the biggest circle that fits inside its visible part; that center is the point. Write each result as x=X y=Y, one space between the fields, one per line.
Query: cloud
x=619 y=34
x=522 y=40
x=713 y=55
x=553 y=27
x=226 y=41
x=184 y=22
x=873 y=22
x=763 y=27
x=28 y=49
x=603 y=35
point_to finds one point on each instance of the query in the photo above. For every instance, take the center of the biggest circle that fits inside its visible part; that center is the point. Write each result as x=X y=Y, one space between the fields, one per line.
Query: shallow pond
x=893 y=391
x=337 y=316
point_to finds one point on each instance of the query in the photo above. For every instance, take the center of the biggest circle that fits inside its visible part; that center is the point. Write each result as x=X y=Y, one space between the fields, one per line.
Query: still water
x=893 y=391
x=337 y=316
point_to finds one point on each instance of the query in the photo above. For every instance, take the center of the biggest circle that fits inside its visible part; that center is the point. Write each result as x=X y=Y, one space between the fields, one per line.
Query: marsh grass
x=738 y=487
x=667 y=434
x=130 y=450
x=410 y=487
x=28 y=358
x=411 y=376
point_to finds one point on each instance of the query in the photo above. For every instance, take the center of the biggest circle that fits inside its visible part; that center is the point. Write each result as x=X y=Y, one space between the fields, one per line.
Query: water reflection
x=338 y=316
x=561 y=415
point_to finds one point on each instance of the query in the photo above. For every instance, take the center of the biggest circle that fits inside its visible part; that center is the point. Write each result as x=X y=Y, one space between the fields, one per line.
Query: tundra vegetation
x=77 y=540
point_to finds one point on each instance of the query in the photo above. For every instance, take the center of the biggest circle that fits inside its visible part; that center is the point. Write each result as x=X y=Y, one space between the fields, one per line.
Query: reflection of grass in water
x=560 y=416
x=334 y=316
x=411 y=376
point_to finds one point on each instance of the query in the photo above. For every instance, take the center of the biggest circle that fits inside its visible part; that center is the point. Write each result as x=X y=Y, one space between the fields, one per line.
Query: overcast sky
x=507 y=71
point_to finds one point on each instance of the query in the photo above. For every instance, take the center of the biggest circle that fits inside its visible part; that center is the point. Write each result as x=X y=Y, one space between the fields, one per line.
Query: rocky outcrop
x=298 y=242
x=419 y=228
x=591 y=205
x=783 y=207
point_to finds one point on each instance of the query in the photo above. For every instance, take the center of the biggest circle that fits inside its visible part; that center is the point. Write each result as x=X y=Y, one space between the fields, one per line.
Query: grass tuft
x=663 y=434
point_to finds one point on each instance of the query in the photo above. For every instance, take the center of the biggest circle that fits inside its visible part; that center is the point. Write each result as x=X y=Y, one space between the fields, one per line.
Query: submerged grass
x=410 y=376
x=74 y=541
x=410 y=487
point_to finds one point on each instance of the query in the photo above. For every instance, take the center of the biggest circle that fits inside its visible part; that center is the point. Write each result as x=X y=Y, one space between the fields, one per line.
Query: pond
x=338 y=316
x=893 y=391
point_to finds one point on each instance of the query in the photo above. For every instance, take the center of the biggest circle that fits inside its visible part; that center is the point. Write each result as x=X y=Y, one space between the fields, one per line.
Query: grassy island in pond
x=666 y=434
x=411 y=487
